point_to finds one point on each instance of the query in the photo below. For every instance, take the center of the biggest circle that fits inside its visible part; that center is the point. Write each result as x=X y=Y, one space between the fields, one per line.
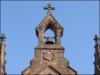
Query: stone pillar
x=97 y=55
x=2 y=53
x=58 y=37
x=40 y=39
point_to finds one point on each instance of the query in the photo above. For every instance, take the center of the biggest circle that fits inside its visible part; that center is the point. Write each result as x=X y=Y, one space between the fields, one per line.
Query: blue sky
x=80 y=20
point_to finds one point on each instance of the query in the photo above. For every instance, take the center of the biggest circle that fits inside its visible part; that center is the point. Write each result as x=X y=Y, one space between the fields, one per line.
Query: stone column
x=97 y=55
x=2 y=53
x=58 y=37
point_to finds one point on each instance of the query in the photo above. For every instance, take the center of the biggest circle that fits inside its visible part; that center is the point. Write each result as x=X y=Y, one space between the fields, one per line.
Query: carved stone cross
x=49 y=8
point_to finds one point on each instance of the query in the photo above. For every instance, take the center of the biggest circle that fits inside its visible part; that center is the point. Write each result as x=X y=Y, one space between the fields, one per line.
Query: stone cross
x=49 y=8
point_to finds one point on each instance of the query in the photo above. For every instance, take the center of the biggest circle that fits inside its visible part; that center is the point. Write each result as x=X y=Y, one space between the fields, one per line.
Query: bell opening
x=49 y=40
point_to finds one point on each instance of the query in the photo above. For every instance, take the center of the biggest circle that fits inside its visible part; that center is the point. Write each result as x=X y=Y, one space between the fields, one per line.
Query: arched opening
x=49 y=36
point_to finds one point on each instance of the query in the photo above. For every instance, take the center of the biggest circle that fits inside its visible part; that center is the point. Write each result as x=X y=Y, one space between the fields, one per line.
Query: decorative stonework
x=48 y=55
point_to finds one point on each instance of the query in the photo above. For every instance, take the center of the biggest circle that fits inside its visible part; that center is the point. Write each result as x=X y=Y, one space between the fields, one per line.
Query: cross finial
x=3 y=37
x=49 y=8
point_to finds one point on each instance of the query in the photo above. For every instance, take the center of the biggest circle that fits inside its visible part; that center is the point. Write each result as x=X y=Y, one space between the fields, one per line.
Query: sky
x=80 y=20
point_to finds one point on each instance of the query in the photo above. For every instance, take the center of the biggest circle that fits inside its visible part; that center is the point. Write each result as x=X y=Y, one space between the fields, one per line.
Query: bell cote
x=49 y=23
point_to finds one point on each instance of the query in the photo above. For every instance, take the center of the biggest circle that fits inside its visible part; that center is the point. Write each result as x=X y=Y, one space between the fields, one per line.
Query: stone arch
x=53 y=26
x=49 y=23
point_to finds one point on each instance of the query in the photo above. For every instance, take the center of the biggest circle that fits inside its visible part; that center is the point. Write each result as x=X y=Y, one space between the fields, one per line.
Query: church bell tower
x=49 y=54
